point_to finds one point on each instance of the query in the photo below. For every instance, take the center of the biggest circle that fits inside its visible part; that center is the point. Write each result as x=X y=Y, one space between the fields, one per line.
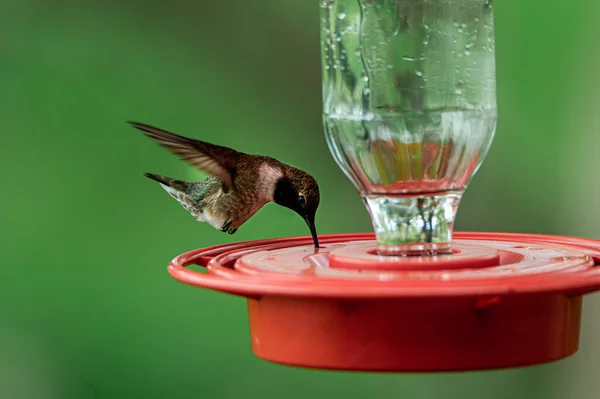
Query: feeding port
x=409 y=112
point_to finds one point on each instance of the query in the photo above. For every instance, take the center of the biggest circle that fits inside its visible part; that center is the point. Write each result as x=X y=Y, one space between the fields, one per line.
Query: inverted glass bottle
x=409 y=103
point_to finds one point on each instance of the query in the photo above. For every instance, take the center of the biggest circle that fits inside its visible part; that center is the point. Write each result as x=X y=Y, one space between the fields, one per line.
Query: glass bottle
x=409 y=110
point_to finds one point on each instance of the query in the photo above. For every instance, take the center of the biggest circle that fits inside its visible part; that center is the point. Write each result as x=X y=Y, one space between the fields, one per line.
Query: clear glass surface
x=409 y=109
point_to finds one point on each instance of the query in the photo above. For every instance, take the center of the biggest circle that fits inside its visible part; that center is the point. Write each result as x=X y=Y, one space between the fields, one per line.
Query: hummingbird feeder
x=409 y=110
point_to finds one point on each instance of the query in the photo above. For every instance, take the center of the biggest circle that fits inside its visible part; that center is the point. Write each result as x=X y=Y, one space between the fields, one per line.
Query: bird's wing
x=213 y=159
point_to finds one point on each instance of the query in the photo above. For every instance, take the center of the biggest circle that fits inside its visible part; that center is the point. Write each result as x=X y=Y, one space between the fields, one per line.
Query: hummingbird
x=238 y=185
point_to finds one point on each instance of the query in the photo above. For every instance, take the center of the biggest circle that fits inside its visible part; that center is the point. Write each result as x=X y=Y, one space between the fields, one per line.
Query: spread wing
x=213 y=159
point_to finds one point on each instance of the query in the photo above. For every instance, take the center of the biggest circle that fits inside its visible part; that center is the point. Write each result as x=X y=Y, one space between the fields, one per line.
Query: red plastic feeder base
x=414 y=335
x=503 y=300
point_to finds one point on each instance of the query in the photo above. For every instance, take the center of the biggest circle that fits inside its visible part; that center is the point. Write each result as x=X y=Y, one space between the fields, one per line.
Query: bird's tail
x=167 y=181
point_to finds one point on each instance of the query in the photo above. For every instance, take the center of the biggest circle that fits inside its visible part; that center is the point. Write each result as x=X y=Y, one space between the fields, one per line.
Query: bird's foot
x=225 y=227
x=231 y=231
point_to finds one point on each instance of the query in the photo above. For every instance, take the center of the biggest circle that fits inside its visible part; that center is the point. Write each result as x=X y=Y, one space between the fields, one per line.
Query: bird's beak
x=310 y=221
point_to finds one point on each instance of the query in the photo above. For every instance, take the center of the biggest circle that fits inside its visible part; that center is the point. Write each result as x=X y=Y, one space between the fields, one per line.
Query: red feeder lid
x=500 y=300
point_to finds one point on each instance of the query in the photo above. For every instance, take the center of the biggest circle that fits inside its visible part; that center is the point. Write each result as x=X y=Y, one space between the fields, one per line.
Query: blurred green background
x=87 y=309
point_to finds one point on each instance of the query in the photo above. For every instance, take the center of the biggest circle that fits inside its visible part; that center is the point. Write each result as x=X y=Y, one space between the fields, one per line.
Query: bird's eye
x=301 y=199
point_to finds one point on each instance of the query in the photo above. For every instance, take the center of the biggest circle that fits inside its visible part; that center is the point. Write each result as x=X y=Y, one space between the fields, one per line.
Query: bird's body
x=208 y=201
x=240 y=184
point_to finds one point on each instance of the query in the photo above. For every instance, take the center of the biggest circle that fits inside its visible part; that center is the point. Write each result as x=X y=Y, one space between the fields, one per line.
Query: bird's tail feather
x=167 y=181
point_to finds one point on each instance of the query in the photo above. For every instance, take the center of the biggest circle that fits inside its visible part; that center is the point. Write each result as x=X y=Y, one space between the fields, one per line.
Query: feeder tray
x=499 y=301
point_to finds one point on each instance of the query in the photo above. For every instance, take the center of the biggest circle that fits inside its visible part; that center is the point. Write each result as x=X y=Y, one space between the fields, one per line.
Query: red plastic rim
x=343 y=268
x=343 y=308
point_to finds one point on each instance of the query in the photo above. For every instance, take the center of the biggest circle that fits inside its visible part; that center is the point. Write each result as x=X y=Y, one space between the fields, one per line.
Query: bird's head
x=299 y=191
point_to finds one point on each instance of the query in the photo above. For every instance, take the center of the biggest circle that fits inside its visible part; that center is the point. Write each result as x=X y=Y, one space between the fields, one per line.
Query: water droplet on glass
x=341 y=15
x=407 y=58
x=467 y=53
x=418 y=73
x=357 y=53
x=390 y=66
x=458 y=91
